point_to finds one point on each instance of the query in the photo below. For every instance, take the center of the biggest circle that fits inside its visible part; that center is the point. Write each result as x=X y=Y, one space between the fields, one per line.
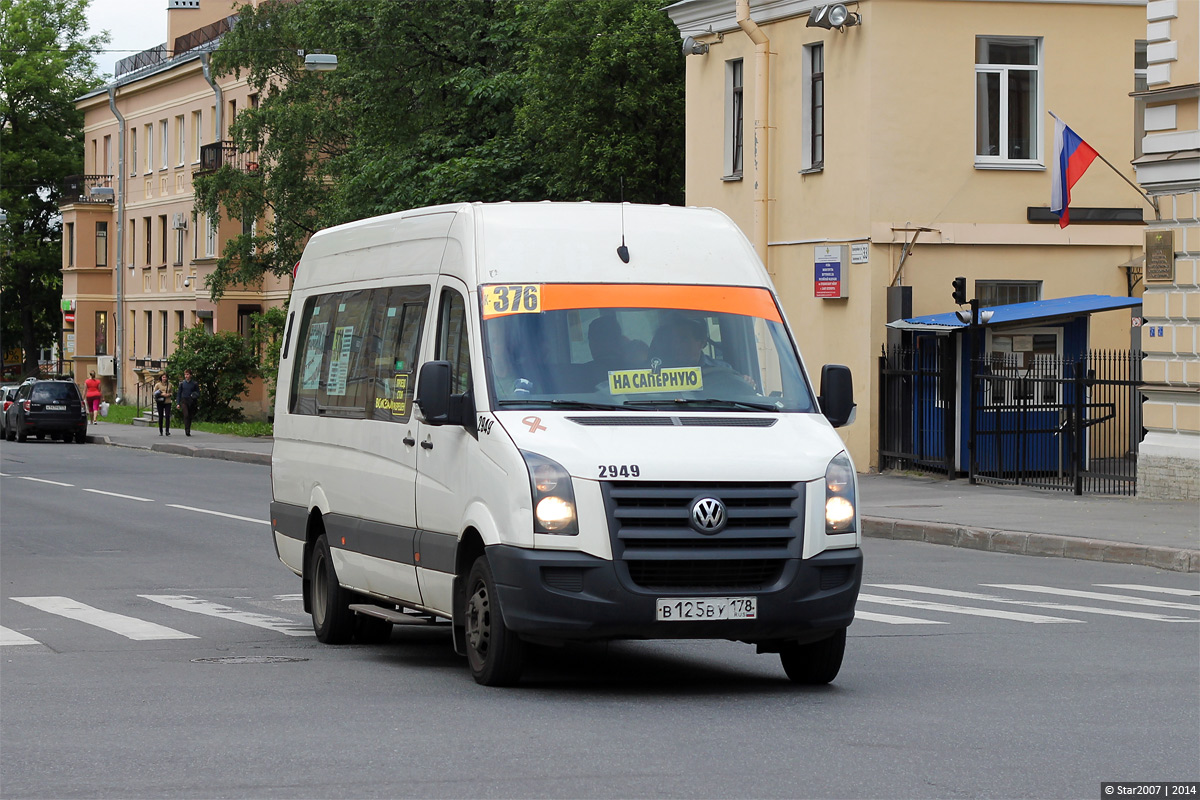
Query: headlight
x=839 y=495
x=553 y=497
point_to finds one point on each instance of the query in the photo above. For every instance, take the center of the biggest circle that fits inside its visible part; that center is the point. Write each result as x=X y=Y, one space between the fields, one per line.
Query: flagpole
x=1150 y=200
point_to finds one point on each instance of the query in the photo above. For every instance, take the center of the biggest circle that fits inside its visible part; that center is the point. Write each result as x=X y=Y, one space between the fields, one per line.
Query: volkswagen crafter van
x=547 y=423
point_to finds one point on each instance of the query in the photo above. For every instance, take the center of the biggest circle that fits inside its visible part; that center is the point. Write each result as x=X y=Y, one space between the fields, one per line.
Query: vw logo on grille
x=708 y=515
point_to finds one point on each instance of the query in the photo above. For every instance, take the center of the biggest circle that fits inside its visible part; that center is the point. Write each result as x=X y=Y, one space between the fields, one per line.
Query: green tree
x=222 y=363
x=45 y=63
x=438 y=102
x=267 y=343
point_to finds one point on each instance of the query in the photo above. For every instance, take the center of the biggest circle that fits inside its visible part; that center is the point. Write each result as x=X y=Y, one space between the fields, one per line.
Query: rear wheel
x=814 y=663
x=333 y=621
x=22 y=436
x=80 y=437
x=494 y=653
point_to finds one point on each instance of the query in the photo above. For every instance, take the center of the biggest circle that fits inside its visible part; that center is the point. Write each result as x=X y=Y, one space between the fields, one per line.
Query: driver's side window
x=452 y=342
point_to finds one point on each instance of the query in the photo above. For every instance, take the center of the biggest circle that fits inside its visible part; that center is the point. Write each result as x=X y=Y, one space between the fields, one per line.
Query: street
x=154 y=646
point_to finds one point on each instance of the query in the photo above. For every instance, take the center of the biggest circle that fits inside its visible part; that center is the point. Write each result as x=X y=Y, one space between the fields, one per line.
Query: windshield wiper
x=710 y=401
x=581 y=404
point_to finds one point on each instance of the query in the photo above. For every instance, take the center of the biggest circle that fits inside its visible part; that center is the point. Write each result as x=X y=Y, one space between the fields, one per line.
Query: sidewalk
x=1127 y=530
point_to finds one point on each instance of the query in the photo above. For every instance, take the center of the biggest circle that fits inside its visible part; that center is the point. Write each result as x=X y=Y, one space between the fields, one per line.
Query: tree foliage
x=222 y=363
x=45 y=63
x=438 y=102
x=267 y=342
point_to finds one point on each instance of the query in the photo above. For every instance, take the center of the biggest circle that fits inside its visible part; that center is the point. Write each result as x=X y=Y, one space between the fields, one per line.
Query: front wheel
x=333 y=621
x=814 y=663
x=494 y=653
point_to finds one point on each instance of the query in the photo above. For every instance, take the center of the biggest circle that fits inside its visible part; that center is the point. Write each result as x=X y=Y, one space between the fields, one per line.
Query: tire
x=333 y=621
x=494 y=653
x=80 y=437
x=22 y=436
x=815 y=663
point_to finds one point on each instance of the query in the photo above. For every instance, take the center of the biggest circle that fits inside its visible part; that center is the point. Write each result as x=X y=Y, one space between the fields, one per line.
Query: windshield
x=639 y=346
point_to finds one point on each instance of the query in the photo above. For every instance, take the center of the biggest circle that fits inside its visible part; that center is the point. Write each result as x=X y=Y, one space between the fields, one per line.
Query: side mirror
x=433 y=392
x=837 y=395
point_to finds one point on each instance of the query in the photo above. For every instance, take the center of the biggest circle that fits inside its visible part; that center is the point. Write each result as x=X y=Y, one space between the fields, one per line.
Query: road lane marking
x=129 y=627
x=991 y=598
x=952 y=609
x=43 y=480
x=892 y=619
x=9 y=636
x=1160 y=589
x=196 y=606
x=220 y=514
x=122 y=496
x=1112 y=598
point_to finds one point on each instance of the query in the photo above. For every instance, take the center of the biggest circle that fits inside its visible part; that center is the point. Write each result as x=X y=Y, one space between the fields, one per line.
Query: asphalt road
x=1047 y=678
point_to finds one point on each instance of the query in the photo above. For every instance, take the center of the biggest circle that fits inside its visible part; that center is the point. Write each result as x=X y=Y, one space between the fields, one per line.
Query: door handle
x=427 y=444
x=408 y=441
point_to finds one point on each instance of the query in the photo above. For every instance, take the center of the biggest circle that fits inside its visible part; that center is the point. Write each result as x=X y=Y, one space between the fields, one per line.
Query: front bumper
x=559 y=596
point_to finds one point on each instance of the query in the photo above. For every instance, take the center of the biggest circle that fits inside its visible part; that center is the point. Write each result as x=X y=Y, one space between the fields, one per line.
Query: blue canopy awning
x=1038 y=310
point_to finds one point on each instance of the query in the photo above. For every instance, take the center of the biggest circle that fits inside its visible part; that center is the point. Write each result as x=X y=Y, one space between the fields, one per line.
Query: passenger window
x=346 y=378
x=312 y=349
x=397 y=321
x=452 y=341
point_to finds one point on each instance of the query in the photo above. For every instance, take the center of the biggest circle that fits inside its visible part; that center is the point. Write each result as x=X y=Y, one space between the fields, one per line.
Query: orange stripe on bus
x=748 y=301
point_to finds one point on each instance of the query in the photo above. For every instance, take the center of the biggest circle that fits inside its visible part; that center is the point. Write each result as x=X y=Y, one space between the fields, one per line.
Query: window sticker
x=501 y=301
x=312 y=356
x=343 y=338
x=641 y=381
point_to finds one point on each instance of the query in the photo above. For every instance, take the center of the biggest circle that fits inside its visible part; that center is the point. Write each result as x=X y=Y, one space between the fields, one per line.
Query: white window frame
x=211 y=230
x=198 y=126
x=807 y=162
x=166 y=143
x=149 y=148
x=181 y=135
x=133 y=160
x=1002 y=161
x=735 y=106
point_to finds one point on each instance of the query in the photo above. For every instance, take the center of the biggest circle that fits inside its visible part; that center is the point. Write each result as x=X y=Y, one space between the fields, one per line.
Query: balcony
x=219 y=154
x=86 y=189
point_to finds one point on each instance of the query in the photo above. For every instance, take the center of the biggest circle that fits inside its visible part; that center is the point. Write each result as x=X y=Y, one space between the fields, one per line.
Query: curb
x=241 y=456
x=1051 y=545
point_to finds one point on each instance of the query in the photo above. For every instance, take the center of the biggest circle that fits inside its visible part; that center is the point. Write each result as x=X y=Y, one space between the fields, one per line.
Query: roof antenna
x=623 y=251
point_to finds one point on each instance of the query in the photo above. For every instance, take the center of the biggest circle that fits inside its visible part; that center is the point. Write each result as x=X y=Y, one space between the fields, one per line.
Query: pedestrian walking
x=186 y=400
x=92 y=396
x=162 y=399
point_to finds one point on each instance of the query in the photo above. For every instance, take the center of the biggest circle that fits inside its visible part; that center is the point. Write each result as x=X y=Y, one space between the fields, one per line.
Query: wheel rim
x=479 y=621
x=320 y=589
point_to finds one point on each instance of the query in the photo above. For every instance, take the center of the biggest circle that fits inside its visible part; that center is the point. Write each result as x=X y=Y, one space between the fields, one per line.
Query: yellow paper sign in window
x=668 y=379
x=500 y=301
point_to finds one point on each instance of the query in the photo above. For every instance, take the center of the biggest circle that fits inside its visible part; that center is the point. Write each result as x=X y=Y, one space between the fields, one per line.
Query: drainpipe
x=762 y=92
x=220 y=97
x=119 y=360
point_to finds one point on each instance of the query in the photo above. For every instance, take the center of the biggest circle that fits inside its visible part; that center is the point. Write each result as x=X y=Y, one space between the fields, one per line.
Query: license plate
x=699 y=609
x=56 y=408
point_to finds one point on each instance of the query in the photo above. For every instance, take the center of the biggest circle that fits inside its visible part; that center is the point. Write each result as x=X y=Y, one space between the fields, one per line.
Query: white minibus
x=541 y=423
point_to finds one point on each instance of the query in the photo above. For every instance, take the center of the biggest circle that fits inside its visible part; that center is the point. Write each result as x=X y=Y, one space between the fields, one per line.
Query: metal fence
x=917 y=399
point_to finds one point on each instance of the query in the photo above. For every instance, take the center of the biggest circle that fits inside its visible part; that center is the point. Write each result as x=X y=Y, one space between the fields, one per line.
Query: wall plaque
x=1160 y=256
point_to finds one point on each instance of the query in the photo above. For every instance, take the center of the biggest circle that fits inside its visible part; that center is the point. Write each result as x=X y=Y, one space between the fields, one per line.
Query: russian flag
x=1072 y=157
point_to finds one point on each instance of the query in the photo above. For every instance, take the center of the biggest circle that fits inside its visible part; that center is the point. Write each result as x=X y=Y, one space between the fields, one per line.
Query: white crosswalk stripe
x=8 y=636
x=129 y=627
x=196 y=606
x=1112 y=598
x=1111 y=612
x=1137 y=587
x=893 y=619
x=947 y=608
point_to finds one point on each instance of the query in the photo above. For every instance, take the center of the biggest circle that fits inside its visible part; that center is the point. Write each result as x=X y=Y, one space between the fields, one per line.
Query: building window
x=210 y=237
x=150 y=147
x=162 y=239
x=101 y=244
x=166 y=147
x=733 y=119
x=813 y=115
x=178 y=321
x=149 y=333
x=245 y=323
x=101 y=333
x=198 y=134
x=162 y=321
x=146 y=232
x=1008 y=102
x=70 y=244
x=107 y=155
x=178 y=247
x=133 y=151
x=132 y=241
x=1002 y=293
x=181 y=144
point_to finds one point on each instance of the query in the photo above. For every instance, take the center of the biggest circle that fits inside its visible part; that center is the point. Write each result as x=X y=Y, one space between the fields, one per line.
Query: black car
x=50 y=407
x=8 y=393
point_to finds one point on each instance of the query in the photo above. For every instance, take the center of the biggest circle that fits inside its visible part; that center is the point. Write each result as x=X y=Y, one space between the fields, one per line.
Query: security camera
x=187 y=281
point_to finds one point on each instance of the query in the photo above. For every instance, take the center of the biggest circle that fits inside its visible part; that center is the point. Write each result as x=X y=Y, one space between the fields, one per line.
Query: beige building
x=1169 y=169
x=135 y=255
x=910 y=146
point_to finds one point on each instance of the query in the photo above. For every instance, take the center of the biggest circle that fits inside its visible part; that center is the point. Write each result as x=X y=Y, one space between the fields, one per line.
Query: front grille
x=659 y=549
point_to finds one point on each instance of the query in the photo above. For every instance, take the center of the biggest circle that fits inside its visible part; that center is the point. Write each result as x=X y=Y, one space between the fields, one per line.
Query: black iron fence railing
x=917 y=394
x=80 y=189
x=218 y=154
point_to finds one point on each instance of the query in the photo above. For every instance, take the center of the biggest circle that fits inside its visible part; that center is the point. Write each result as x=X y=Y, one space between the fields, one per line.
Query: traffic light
x=960 y=290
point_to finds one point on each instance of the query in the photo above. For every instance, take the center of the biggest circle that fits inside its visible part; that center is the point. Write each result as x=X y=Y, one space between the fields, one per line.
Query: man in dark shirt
x=186 y=400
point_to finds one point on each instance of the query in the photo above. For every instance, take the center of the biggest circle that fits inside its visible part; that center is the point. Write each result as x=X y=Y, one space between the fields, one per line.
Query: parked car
x=8 y=393
x=47 y=408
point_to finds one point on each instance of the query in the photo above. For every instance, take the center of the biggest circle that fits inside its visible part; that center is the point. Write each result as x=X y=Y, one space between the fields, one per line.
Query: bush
x=222 y=363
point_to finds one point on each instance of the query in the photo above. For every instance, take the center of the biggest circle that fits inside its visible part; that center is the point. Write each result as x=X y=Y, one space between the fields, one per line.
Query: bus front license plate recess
x=698 y=609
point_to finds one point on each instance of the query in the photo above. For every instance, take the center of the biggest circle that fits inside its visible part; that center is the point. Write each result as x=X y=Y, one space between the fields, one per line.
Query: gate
x=1071 y=424
x=917 y=402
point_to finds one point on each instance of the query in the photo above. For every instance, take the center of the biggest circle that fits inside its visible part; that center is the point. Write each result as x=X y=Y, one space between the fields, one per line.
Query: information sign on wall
x=829 y=272
x=1160 y=256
